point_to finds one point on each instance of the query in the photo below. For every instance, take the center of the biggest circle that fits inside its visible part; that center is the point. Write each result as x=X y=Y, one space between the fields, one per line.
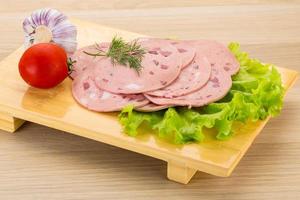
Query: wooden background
x=43 y=163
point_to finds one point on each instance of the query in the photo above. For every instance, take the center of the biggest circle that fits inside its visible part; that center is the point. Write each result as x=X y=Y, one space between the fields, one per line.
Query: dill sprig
x=122 y=52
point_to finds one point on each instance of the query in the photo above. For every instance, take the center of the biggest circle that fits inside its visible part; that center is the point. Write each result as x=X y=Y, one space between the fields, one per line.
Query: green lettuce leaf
x=256 y=93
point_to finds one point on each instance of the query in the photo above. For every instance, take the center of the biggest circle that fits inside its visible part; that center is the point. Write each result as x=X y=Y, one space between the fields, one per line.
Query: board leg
x=180 y=172
x=9 y=123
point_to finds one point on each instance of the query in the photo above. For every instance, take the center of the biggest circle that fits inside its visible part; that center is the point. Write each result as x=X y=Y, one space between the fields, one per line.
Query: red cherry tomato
x=44 y=65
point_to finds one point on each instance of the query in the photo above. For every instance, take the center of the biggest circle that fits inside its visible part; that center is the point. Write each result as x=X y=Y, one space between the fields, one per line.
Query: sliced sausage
x=190 y=79
x=161 y=65
x=215 y=89
x=186 y=50
x=82 y=61
x=218 y=55
x=151 y=107
x=87 y=94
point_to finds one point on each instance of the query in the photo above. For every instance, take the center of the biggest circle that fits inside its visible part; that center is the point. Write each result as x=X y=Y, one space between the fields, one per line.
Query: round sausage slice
x=161 y=65
x=87 y=94
x=82 y=61
x=186 y=50
x=151 y=107
x=218 y=55
x=215 y=89
x=190 y=79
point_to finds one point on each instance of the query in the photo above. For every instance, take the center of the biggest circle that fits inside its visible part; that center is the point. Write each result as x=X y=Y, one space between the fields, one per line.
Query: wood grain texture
x=41 y=163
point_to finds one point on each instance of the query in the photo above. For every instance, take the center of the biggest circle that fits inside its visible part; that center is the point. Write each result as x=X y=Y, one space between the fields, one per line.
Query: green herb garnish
x=122 y=52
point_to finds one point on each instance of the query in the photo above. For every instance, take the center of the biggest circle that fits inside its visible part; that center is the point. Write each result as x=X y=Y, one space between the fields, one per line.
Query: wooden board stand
x=180 y=172
x=9 y=123
x=57 y=109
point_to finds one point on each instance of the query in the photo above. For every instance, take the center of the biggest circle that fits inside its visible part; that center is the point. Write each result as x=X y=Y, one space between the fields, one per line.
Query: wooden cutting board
x=56 y=108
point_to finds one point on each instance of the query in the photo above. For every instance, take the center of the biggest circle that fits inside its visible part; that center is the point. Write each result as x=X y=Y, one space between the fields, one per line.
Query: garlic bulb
x=50 y=25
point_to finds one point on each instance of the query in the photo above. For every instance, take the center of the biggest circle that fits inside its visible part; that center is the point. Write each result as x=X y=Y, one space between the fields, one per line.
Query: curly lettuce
x=256 y=93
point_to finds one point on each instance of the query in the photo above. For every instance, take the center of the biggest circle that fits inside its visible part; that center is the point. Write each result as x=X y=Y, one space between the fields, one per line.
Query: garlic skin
x=50 y=25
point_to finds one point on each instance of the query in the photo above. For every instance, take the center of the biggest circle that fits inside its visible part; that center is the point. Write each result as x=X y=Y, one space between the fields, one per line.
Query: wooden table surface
x=43 y=163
